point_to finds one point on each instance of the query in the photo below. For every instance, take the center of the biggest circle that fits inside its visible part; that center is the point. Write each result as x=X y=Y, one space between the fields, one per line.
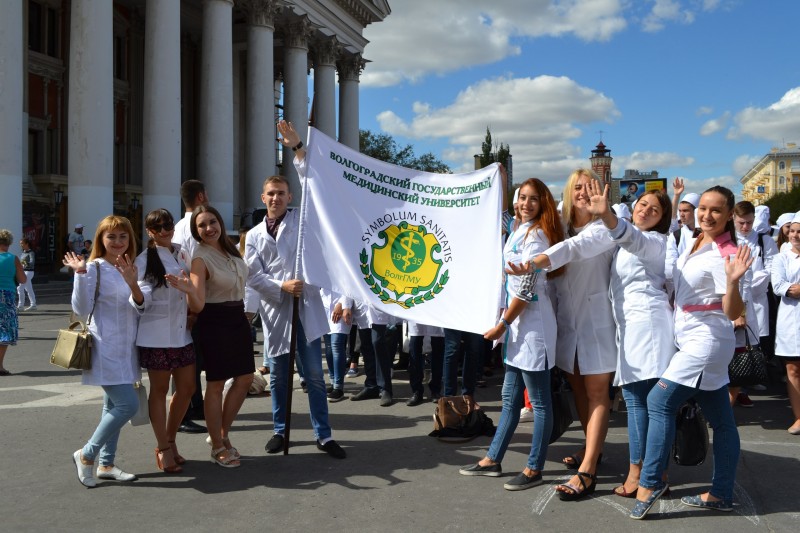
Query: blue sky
x=694 y=88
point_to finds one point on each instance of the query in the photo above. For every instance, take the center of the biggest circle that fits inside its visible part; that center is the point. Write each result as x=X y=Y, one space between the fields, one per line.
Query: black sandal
x=573 y=462
x=575 y=494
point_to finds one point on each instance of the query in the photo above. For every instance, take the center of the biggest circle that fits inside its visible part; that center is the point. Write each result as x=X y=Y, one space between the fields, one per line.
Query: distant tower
x=601 y=162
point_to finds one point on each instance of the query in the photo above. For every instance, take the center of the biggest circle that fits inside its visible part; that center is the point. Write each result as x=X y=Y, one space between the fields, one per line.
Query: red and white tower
x=601 y=163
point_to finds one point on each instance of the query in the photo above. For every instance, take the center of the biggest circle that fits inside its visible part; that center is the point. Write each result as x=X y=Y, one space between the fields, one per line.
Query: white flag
x=419 y=246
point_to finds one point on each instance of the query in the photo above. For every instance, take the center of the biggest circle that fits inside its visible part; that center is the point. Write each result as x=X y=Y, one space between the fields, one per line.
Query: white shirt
x=423 y=330
x=759 y=285
x=163 y=322
x=785 y=272
x=583 y=309
x=645 y=337
x=329 y=301
x=531 y=339
x=673 y=251
x=183 y=235
x=270 y=262
x=115 y=359
x=705 y=339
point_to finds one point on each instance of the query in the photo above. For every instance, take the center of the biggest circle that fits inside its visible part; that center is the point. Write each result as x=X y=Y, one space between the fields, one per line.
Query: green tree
x=499 y=155
x=383 y=147
x=784 y=202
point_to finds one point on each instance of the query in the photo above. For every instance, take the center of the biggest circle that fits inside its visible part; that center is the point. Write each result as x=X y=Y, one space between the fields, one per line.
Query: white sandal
x=224 y=458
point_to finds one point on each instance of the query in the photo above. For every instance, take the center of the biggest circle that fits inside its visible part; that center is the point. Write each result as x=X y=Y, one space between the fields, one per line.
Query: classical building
x=108 y=105
x=601 y=162
x=776 y=172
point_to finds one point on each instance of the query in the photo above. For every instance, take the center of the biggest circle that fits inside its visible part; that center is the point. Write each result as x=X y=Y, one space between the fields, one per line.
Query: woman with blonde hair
x=216 y=292
x=114 y=325
x=164 y=340
x=586 y=344
x=11 y=273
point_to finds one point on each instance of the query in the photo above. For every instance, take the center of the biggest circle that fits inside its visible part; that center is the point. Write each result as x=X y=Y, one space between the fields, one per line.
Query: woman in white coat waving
x=114 y=324
x=165 y=344
x=786 y=283
x=645 y=341
x=707 y=298
x=586 y=347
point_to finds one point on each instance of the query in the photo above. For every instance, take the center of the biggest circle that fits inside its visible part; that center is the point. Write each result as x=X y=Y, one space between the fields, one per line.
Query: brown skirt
x=225 y=340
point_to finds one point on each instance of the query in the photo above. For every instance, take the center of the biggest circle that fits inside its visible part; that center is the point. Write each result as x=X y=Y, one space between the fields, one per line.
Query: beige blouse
x=226 y=275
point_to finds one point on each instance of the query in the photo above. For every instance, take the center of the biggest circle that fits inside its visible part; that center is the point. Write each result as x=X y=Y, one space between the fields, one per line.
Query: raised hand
x=735 y=268
x=518 y=269
x=74 y=261
x=677 y=186
x=128 y=269
x=598 y=198
x=182 y=283
x=289 y=137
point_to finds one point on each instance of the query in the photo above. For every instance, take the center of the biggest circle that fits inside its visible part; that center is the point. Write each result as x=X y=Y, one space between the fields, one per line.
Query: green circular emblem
x=408 y=251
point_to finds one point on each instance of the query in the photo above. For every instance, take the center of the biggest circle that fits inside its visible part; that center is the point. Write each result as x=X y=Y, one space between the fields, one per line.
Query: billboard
x=631 y=190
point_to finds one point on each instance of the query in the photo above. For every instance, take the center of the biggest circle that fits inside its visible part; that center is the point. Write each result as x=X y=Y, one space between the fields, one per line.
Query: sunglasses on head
x=165 y=226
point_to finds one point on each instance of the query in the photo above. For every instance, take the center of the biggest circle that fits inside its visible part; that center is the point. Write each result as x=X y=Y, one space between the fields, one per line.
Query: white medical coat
x=785 y=272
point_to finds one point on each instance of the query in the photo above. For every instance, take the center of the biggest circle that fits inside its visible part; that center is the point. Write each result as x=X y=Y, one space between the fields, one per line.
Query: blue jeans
x=473 y=348
x=663 y=403
x=309 y=359
x=336 y=357
x=120 y=403
x=416 y=364
x=635 y=395
x=538 y=384
x=376 y=357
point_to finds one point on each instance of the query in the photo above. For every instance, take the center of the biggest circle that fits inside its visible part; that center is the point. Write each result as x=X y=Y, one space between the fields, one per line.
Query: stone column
x=260 y=105
x=349 y=73
x=161 y=142
x=325 y=55
x=12 y=125
x=295 y=94
x=215 y=146
x=90 y=124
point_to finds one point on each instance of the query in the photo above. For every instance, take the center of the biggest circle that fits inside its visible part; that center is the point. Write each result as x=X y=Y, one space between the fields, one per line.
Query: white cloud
x=705 y=110
x=646 y=161
x=715 y=125
x=666 y=11
x=778 y=122
x=422 y=37
x=744 y=163
x=698 y=186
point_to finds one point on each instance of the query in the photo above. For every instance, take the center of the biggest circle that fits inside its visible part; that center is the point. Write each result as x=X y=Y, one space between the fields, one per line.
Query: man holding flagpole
x=270 y=253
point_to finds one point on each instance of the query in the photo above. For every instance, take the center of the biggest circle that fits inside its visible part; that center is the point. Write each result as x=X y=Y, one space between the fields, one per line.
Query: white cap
x=622 y=211
x=692 y=198
x=78 y=226
x=796 y=218
x=560 y=205
x=784 y=219
x=761 y=221
x=516 y=195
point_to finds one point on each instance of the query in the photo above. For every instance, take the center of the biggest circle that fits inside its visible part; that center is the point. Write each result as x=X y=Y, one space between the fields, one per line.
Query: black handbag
x=748 y=366
x=691 y=436
x=562 y=414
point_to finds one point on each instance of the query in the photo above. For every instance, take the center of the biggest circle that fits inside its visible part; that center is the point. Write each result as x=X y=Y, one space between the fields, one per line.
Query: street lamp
x=58 y=195
x=135 y=202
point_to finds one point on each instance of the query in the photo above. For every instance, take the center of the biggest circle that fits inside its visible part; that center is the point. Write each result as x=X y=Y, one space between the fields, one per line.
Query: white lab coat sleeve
x=591 y=242
x=780 y=281
x=639 y=243
x=83 y=291
x=145 y=286
x=269 y=289
x=762 y=277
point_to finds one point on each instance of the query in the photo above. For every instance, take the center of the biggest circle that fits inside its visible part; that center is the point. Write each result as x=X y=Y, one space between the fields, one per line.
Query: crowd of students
x=652 y=305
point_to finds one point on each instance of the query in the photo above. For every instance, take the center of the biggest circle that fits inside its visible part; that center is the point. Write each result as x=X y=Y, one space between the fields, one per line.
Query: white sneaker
x=31 y=308
x=526 y=414
x=85 y=472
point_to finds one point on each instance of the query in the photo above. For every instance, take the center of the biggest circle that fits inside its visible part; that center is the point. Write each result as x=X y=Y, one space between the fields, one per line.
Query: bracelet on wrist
x=296 y=148
x=505 y=322
x=81 y=271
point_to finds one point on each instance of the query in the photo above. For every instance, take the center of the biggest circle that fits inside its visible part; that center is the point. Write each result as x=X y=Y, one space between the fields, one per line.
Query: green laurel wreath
x=384 y=296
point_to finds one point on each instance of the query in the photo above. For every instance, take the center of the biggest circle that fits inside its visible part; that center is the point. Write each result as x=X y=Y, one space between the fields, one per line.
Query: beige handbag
x=73 y=347
x=142 y=415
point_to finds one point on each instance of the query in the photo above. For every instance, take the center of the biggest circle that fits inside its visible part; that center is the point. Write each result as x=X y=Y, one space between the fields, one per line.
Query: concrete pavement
x=395 y=478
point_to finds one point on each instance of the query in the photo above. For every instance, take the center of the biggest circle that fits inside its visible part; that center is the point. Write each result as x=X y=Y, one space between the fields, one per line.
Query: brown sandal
x=178 y=457
x=173 y=469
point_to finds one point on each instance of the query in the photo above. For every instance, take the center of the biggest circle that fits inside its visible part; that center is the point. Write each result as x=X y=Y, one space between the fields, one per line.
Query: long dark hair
x=224 y=241
x=548 y=219
x=730 y=201
x=154 y=271
x=666 y=210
